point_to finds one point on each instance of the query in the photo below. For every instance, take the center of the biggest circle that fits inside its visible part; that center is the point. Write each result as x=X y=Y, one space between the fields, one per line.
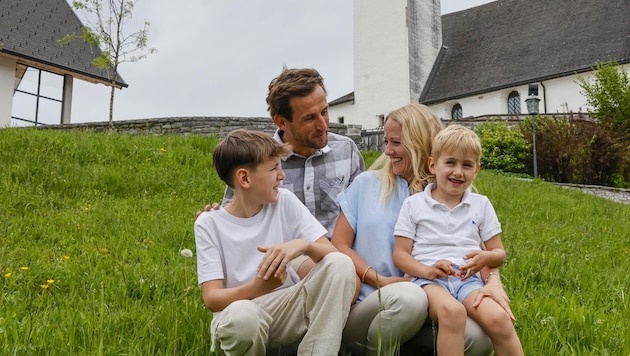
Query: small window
x=340 y=119
x=514 y=103
x=457 y=113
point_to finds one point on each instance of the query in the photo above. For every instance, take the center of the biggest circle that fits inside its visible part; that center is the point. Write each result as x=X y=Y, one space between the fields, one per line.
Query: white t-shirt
x=439 y=232
x=226 y=245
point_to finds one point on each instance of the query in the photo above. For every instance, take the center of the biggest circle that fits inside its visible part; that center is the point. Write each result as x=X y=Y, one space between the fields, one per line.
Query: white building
x=479 y=61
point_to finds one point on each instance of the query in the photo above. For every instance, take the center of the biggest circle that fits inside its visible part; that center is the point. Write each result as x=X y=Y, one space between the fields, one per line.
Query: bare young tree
x=106 y=22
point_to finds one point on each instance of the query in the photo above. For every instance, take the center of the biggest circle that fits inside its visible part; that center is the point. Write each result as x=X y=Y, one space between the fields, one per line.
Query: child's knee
x=242 y=319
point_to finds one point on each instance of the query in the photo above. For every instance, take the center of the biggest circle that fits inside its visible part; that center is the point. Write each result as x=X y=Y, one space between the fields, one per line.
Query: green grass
x=105 y=216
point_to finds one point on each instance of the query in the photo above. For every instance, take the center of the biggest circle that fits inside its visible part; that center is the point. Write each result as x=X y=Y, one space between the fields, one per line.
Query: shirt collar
x=466 y=198
x=318 y=152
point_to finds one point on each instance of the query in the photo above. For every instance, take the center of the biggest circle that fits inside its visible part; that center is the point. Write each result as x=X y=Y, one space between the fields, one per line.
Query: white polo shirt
x=439 y=232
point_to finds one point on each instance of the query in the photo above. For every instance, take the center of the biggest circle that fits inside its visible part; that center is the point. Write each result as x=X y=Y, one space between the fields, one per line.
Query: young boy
x=243 y=255
x=438 y=237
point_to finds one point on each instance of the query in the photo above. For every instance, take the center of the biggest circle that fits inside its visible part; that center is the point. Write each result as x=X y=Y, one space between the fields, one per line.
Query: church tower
x=396 y=43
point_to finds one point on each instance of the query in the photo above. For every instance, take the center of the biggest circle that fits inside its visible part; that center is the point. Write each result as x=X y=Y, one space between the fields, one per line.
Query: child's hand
x=476 y=261
x=277 y=257
x=273 y=282
x=441 y=269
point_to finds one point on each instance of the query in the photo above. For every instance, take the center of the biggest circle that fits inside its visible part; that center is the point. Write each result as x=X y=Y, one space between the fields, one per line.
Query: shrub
x=576 y=151
x=504 y=147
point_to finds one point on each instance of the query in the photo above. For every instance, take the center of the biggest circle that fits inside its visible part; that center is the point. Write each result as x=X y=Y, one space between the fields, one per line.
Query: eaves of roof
x=30 y=29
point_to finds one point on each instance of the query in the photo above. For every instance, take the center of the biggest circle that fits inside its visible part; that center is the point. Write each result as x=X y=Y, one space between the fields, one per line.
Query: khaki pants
x=308 y=316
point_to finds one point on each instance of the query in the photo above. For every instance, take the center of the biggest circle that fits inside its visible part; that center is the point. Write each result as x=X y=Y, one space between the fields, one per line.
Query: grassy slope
x=122 y=207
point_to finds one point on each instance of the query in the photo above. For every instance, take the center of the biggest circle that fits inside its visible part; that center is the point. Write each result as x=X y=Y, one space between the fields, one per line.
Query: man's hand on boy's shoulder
x=214 y=206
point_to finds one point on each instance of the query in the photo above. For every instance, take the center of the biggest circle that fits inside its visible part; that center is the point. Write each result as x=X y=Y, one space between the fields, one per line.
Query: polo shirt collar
x=428 y=196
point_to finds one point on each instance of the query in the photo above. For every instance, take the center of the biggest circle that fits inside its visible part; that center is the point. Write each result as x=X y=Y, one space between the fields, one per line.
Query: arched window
x=456 y=112
x=514 y=103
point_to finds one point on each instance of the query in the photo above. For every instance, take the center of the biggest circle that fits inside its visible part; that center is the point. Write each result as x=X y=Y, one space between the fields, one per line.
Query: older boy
x=243 y=255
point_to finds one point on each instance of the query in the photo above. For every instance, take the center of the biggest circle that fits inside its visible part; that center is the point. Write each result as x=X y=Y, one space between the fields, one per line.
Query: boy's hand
x=478 y=260
x=441 y=269
x=214 y=206
x=277 y=257
x=268 y=285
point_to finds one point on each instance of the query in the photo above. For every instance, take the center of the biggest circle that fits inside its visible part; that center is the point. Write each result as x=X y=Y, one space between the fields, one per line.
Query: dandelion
x=162 y=149
x=7 y=275
x=66 y=257
x=50 y=281
x=186 y=253
x=25 y=268
x=44 y=286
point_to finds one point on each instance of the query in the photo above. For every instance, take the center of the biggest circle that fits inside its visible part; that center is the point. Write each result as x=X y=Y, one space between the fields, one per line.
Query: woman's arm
x=342 y=239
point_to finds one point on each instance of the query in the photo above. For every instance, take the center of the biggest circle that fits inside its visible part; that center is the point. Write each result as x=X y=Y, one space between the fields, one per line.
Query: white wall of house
x=7 y=85
x=345 y=111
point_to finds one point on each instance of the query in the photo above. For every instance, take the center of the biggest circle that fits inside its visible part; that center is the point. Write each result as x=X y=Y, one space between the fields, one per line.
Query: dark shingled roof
x=507 y=43
x=29 y=30
x=346 y=98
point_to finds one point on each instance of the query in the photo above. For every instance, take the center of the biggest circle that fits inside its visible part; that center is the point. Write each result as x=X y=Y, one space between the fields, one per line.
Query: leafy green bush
x=609 y=96
x=577 y=151
x=504 y=147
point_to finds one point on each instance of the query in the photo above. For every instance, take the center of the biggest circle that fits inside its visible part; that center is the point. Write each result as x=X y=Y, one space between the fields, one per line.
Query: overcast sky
x=216 y=58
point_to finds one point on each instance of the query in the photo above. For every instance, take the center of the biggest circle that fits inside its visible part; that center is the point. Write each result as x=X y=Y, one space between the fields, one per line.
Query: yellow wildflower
x=50 y=281
x=45 y=286
x=162 y=149
x=7 y=275
x=25 y=268
x=66 y=257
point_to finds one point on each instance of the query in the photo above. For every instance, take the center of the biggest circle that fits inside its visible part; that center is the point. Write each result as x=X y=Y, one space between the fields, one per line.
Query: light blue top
x=373 y=222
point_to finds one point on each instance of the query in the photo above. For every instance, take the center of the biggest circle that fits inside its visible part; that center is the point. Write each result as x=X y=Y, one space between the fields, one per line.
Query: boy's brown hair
x=456 y=137
x=245 y=149
x=291 y=83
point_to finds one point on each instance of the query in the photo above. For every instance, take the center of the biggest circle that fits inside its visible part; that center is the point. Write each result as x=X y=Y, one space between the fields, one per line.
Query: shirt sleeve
x=406 y=225
x=348 y=201
x=491 y=225
x=209 y=261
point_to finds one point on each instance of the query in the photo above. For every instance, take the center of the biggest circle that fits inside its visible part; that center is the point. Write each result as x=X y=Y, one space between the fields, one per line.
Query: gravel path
x=616 y=194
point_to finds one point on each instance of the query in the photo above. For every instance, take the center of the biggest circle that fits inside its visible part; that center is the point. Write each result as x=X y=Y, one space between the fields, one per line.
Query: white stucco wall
x=7 y=84
x=345 y=110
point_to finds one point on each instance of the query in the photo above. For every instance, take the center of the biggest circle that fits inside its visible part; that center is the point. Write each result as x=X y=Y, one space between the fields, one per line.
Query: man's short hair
x=291 y=83
x=245 y=149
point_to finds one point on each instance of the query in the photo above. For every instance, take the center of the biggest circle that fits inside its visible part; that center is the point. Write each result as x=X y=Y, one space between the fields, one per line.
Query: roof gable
x=507 y=43
x=29 y=30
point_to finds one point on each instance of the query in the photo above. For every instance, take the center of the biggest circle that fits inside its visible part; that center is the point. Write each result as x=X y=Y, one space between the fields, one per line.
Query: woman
x=364 y=231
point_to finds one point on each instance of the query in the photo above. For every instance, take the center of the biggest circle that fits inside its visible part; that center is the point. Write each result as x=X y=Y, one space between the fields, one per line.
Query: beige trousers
x=309 y=316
